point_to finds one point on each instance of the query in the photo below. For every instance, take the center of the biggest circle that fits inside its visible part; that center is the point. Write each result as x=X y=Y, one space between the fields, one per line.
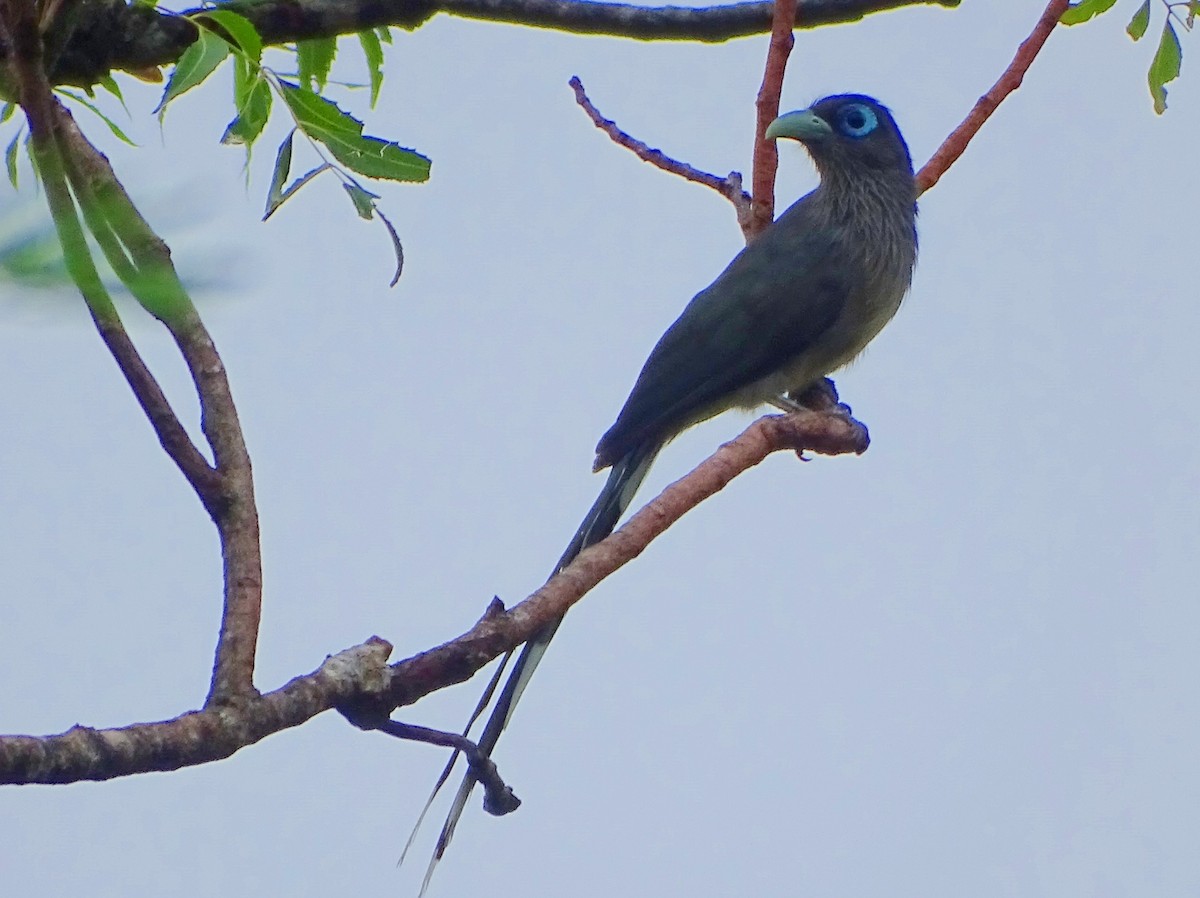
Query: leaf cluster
x=1168 y=57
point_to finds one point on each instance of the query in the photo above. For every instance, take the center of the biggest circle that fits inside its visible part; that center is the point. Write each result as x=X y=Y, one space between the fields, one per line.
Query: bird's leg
x=821 y=396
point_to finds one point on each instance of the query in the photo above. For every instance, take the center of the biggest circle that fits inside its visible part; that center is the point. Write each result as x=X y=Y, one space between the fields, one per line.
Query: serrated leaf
x=1140 y=22
x=1165 y=66
x=112 y=126
x=341 y=133
x=363 y=199
x=244 y=34
x=252 y=116
x=10 y=158
x=315 y=58
x=1080 y=12
x=195 y=65
x=283 y=167
x=374 y=54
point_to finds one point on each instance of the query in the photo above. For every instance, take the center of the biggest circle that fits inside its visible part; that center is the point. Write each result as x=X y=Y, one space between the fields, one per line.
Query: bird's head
x=849 y=134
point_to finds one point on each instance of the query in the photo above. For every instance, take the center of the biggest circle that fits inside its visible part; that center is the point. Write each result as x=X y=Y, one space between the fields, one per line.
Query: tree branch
x=729 y=187
x=766 y=107
x=358 y=681
x=143 y=261
x=108 y=34
x=824 y=432
x=954 y=145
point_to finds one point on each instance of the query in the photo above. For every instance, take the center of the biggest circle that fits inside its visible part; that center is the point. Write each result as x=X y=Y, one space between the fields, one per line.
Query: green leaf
x=107 y=82
x=283 y=167
x=363 y=199
x=7 y=112
x=295 y=186
x=112 y=126
x=374 y=54
x=1165 y=66
x=10 y=158
x=245 y=35
x=1140 y=21
x=374 y=157
x=316 y=59
x=1085 y=9
x=385 y=33
x=195 y=65
x=252 y=115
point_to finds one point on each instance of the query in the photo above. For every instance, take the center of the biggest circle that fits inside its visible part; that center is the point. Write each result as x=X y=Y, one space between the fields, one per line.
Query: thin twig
x=766 y=154
x=729 y=187
x=954 y=145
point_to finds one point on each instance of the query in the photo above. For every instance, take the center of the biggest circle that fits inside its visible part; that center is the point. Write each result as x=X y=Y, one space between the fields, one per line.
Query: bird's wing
x=774 y=301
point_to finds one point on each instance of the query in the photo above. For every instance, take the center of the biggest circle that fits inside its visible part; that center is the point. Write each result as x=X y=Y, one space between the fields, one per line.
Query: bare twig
x=766 y=155
x=729 y=187
x=954 y=145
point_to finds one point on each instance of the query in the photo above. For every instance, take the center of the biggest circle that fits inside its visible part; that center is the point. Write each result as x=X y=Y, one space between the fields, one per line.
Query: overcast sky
x=964 y=664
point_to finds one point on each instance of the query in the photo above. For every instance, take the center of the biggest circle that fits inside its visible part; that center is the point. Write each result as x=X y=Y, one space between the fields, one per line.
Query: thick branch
x=198 y=737
x=108 y=34
x=359 y=682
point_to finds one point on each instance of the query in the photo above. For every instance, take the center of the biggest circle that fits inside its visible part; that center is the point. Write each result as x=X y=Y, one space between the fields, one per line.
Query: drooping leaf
x=252 y=115
x=10 y=157
x=195 y=65
x=238 y=27
x=107 y=82
x=6 y=113
x=341 y=133
x=363 y=199
x=397 y=248
x=315 y=58
x=283 y=168
x=1140 y=22
x=1085 y=9
x=112 y=126
x=374 y=54
x=1165 y=66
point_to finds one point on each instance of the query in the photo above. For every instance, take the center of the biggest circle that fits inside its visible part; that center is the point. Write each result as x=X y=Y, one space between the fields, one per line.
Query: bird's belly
x=838 y=347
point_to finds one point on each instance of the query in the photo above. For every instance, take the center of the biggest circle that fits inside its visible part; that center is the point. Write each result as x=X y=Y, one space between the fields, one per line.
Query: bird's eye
x=857 y=120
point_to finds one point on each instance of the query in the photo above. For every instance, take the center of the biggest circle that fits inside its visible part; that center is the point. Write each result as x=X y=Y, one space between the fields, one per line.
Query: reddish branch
x=954 y=145
x=766 y=155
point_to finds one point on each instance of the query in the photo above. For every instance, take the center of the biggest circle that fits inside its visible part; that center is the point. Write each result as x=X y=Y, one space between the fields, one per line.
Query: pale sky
x=964 y=664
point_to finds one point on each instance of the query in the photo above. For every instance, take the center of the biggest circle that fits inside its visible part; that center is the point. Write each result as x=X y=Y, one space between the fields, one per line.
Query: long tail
x=623 y=482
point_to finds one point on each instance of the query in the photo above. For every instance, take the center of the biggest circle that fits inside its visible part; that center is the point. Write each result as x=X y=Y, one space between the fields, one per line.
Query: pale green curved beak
x=803 y=124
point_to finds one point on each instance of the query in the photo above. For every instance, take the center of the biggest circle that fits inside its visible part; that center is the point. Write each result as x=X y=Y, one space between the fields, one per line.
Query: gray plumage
x=802 y=300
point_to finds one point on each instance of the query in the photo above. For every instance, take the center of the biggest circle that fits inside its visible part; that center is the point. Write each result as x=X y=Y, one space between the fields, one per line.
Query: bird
x=801 y=300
